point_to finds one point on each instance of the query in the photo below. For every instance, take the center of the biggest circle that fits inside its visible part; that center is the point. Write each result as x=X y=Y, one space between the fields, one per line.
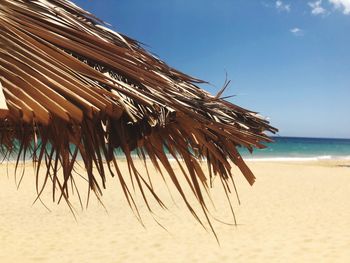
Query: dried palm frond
x=73 y=86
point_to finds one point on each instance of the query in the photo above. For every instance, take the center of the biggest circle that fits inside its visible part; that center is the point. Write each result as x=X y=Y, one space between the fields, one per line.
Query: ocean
x=282 y=149
x=297 y=148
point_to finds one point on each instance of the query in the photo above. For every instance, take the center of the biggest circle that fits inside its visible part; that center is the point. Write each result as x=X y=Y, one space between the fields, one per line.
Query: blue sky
x=288 y=60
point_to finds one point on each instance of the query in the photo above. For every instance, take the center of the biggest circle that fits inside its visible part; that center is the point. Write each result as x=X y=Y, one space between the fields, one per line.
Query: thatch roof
x=72 y=86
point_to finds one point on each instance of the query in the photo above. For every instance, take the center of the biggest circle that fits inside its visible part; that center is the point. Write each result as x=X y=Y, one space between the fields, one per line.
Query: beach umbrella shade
x=72 y=87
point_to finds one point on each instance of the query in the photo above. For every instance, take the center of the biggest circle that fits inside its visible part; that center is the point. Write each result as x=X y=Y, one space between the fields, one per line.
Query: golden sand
x=296 y=212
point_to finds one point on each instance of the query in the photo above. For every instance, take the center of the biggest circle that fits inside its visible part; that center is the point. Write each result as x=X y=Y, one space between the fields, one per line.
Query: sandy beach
x=296 y=212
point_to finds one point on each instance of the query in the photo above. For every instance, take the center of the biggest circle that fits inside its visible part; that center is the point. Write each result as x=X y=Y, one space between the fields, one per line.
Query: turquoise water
x=303 y=148
x=286 y=148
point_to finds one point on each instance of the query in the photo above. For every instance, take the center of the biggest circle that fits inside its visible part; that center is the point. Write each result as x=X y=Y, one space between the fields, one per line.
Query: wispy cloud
x=343 y=5
x=281 y=6
x=317 y=8
x=296 y=31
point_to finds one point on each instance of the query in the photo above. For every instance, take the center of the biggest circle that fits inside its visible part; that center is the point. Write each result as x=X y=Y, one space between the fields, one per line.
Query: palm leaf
x=69 y=80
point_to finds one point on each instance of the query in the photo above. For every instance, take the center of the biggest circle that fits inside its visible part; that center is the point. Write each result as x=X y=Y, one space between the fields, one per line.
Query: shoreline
x=311 y=158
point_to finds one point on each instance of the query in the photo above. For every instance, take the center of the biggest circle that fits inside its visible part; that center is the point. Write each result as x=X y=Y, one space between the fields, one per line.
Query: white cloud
x=316 y=8
x=297 y=31
x=344 y=5
x=282 y=6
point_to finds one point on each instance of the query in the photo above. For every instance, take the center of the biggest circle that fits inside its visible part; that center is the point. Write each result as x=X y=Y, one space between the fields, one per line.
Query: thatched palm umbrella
x=73 y=86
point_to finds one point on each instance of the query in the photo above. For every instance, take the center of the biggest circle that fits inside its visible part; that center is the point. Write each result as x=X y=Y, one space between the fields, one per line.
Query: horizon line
x=308 y=137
